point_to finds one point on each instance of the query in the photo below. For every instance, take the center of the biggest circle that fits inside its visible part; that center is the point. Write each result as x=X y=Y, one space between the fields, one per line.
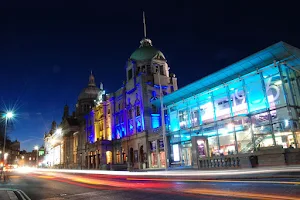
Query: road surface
x=56 y=186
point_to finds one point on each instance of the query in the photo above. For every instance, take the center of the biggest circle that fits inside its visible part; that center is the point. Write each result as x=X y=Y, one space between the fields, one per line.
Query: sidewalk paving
x=12 y=194
x=7 y=194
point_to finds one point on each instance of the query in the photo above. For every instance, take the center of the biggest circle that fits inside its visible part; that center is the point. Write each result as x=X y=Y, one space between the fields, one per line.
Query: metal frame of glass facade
x=258 y=109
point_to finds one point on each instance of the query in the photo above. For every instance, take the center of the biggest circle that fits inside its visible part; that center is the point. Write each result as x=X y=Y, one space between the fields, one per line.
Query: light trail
x=187 y=173
x=237 y=194
x=205 y=180
x=163 y=185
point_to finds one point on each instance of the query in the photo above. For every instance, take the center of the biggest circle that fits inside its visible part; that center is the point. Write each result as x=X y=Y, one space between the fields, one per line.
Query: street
x=39 y=185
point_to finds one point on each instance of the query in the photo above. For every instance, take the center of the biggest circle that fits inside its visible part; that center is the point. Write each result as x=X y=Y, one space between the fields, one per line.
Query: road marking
x=12 y=195
x=203 y=180
x=236 y=194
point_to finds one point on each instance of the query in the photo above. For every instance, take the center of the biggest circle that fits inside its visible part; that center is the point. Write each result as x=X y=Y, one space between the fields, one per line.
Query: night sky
x=47 y=50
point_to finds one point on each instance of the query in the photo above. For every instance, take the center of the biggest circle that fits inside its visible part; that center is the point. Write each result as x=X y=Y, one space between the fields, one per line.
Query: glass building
x=251 y=104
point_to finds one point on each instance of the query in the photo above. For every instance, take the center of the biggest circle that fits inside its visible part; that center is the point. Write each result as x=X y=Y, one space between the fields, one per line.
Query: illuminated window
x=155 y=119
x=108 y=157
x=29 y=158
x=118 y=157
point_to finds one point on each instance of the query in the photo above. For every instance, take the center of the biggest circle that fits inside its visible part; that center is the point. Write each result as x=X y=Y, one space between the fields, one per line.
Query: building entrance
x=186 y=156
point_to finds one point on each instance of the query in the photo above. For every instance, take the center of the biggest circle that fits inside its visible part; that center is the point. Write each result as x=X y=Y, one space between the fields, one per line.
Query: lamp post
x=163 y=125
x=80 y=161
x=7 y=116
x=37 y=155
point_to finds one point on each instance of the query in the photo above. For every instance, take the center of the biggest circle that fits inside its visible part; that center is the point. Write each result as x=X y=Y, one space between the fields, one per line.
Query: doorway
x=186 y=156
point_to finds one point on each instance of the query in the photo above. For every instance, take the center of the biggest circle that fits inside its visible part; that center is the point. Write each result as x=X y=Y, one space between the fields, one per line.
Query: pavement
x=59 y=185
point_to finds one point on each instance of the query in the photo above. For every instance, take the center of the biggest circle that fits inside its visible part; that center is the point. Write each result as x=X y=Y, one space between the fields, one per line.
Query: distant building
x=29 y=159
x=53 y=142
x=13 y=150
x=66 y=144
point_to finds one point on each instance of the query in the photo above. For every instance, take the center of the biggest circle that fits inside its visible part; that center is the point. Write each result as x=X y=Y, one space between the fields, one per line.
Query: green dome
x=146 y=52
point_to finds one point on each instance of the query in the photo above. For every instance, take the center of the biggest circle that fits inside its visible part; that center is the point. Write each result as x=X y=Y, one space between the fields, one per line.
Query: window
x=183 y=118
x=221 y=103
x=195 y=116
x=174 y=122
x=129 y=74
x=274 y=90
x=255 y=94
x=118 y=157
x=138 y=70
x=161 y=69
x=138 y=112
x=130 y=114
x=207 y=109
x=237 y=98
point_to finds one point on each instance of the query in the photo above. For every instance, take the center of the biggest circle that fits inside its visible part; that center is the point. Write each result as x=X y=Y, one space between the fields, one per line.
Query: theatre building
x=248 y=109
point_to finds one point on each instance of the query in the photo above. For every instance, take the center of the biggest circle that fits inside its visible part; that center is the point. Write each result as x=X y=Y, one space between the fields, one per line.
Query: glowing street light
x=5 y=156
x=8 y=115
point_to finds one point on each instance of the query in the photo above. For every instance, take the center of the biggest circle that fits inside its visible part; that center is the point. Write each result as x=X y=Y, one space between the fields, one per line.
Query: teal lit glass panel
x=206 y=109
x=183 y=118
x=195 y=117
x=185 y=136
x=174 y=121
x=274 y=90
x=221 y=103
x=238 y=99
x=255 y=94
x=295 y=82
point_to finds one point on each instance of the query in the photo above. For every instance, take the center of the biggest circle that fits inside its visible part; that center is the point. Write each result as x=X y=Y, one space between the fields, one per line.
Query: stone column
x=97 y=160
x=88 y=160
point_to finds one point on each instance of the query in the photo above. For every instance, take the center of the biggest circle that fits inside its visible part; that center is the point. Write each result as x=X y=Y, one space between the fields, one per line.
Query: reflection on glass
x=221 y=103
x=207 y=111
x=255 y=94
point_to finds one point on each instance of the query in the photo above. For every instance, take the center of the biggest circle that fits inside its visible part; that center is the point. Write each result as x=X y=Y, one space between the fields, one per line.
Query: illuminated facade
x=131 y=108
x=249 y=105
x=67 y=145
x=53 y=141
x=98 y=126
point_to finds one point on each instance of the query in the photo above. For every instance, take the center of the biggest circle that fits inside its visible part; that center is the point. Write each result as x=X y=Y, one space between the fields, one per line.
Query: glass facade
x=259 y=109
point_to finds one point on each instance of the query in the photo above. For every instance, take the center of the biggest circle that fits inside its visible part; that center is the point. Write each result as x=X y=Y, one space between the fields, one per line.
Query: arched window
x=130 y=114
x=138 y=111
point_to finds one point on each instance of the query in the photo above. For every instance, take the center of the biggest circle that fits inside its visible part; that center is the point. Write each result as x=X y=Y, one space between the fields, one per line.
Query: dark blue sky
x=47 y=50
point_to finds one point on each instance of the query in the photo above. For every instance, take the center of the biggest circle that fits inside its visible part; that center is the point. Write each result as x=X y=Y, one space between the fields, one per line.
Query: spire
x=145 y=41
x=66 y=112
x=101 y=86
x=144 y=22
x=92 y=80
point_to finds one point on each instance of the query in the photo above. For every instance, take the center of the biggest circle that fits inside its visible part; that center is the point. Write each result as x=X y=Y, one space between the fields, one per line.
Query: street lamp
x=8 y=115
x=37 y=155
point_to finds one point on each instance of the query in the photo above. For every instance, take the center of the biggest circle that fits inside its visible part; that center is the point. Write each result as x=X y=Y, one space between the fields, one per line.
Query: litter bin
x=253 y=161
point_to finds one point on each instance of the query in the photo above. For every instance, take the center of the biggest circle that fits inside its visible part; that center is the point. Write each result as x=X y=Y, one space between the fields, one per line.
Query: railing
x=231 y=161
